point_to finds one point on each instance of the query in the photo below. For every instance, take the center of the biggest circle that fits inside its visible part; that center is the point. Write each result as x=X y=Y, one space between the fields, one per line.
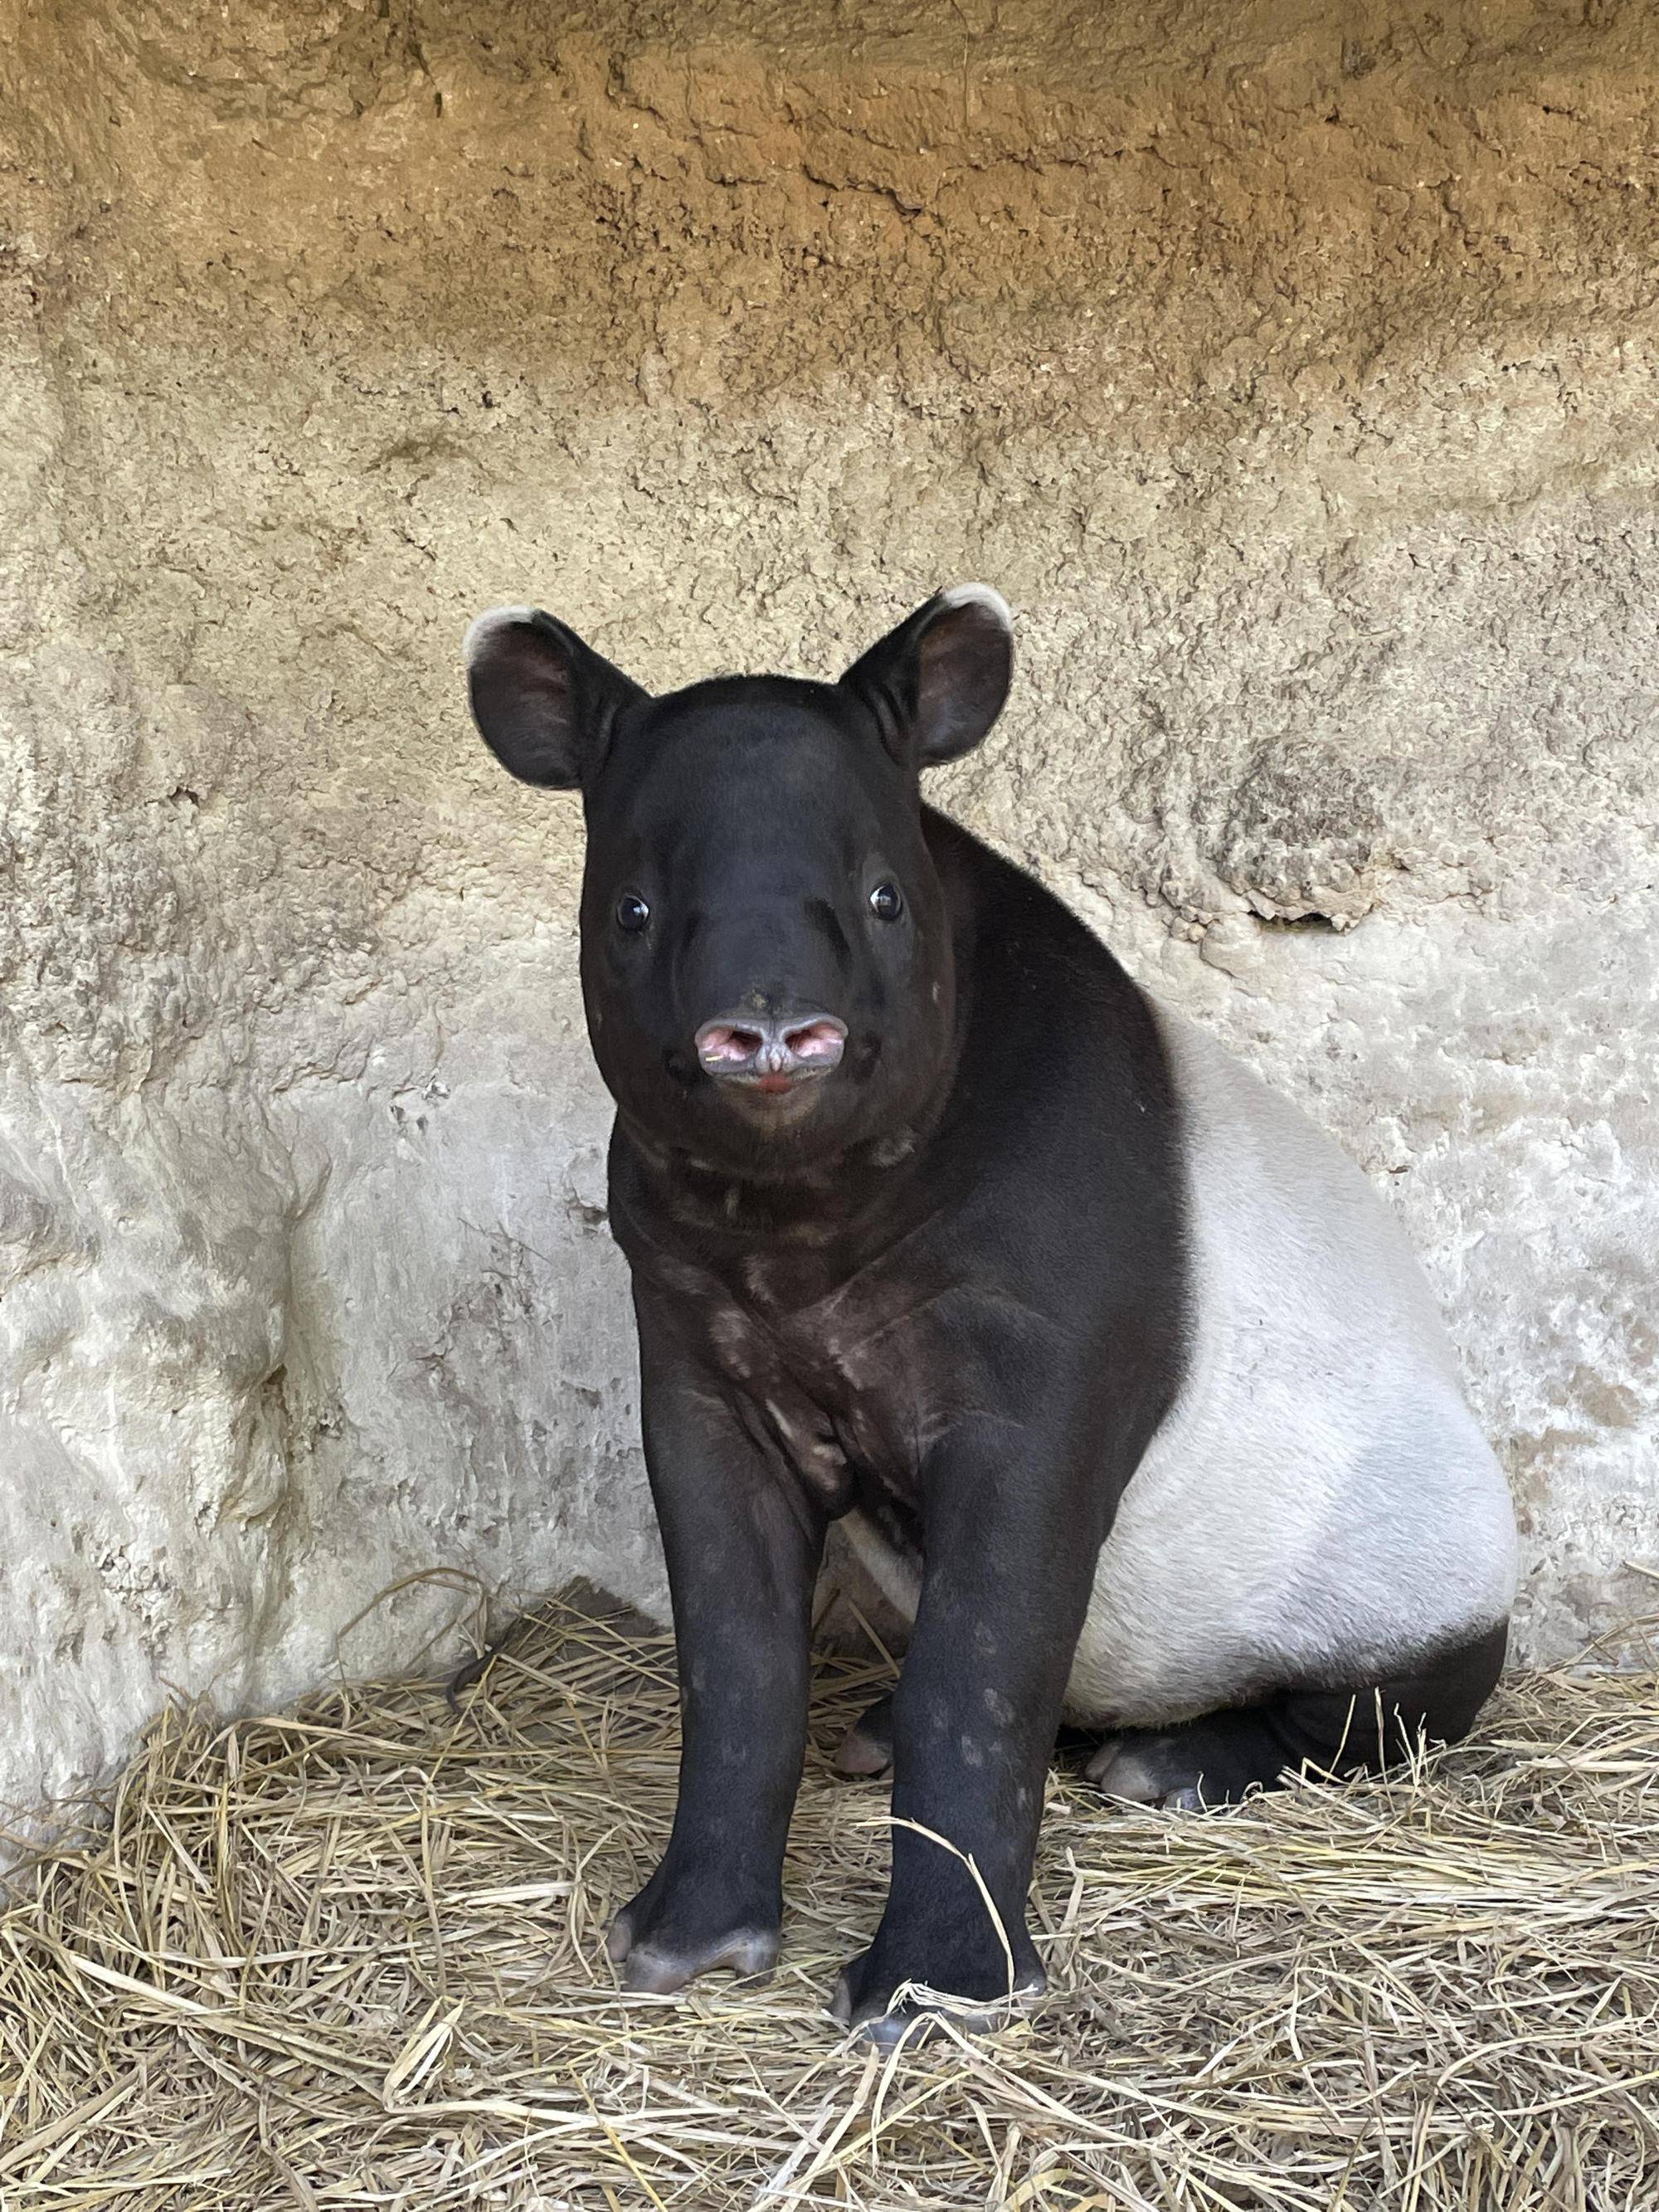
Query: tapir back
x=1319 y=1505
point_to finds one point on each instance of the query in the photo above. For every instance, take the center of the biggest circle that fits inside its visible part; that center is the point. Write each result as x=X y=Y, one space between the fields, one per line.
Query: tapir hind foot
x=867 y=1746
x=1219 y=1759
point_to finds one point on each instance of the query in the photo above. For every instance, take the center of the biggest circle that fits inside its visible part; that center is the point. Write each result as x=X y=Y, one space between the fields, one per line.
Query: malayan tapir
x=1120 y=1376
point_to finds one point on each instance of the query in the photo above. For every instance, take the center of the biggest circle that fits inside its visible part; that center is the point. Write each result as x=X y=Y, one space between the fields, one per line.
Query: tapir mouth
x=775 y=1098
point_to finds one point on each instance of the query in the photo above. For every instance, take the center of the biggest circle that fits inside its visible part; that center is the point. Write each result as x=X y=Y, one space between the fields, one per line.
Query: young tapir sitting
x=1122 y=1378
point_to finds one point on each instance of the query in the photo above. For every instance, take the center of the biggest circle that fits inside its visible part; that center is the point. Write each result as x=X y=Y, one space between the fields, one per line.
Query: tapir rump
x=1120 y=1375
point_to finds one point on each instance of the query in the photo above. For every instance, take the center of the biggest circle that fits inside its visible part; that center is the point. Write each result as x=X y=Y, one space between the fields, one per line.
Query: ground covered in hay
x=354 y=1957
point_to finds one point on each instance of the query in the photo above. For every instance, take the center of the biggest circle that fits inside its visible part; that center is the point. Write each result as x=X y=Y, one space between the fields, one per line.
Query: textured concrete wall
x=1290 y=367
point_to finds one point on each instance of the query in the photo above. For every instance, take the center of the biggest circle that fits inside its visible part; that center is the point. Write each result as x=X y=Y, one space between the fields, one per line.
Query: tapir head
x=766 y=955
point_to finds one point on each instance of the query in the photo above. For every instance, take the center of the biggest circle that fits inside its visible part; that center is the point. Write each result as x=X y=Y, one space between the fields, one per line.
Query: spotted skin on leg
x=867 y=1751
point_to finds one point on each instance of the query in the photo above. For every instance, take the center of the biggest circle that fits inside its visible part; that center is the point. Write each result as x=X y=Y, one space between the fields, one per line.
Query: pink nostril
x=724 y=1044
x=814 y=1042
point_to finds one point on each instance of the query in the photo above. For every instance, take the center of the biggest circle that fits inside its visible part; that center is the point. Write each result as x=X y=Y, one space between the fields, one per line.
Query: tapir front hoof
x=659 y=1969
x=864 y=1999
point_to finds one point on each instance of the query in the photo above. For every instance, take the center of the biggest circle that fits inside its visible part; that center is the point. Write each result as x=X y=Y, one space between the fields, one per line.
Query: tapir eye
x=632 y=913
x=885 y=903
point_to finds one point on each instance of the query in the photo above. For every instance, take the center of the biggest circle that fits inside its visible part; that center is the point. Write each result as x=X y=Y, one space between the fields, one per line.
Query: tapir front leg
x=743 y=1545
x=1009 y=1545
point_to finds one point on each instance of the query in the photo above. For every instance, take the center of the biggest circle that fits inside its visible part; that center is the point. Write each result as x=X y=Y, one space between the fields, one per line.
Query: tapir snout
x=772 y=1052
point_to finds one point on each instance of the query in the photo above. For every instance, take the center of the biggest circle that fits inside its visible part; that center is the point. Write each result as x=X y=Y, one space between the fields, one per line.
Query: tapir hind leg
x=1217 y=1759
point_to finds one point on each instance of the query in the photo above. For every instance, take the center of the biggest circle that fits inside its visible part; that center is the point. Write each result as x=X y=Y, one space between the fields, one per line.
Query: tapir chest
x=842 y=1393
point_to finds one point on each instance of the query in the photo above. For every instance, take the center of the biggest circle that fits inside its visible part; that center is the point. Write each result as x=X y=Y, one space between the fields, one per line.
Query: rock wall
x=1290 y=368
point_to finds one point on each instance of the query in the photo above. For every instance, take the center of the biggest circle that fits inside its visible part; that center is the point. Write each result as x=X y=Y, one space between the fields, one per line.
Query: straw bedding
x=354 y=1957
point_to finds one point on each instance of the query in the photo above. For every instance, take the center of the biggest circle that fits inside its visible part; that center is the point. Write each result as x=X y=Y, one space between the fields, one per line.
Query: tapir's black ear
x=545 y=703
x=937 y=682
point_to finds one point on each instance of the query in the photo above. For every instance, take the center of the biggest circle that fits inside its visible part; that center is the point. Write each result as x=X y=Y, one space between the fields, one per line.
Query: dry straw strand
x=353 y=1956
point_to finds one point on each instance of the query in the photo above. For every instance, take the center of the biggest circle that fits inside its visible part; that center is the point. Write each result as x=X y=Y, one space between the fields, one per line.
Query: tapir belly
x=1318 y=1506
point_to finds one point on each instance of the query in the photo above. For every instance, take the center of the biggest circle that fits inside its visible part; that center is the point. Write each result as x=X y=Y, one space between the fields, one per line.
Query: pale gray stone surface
x=1294 y=380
